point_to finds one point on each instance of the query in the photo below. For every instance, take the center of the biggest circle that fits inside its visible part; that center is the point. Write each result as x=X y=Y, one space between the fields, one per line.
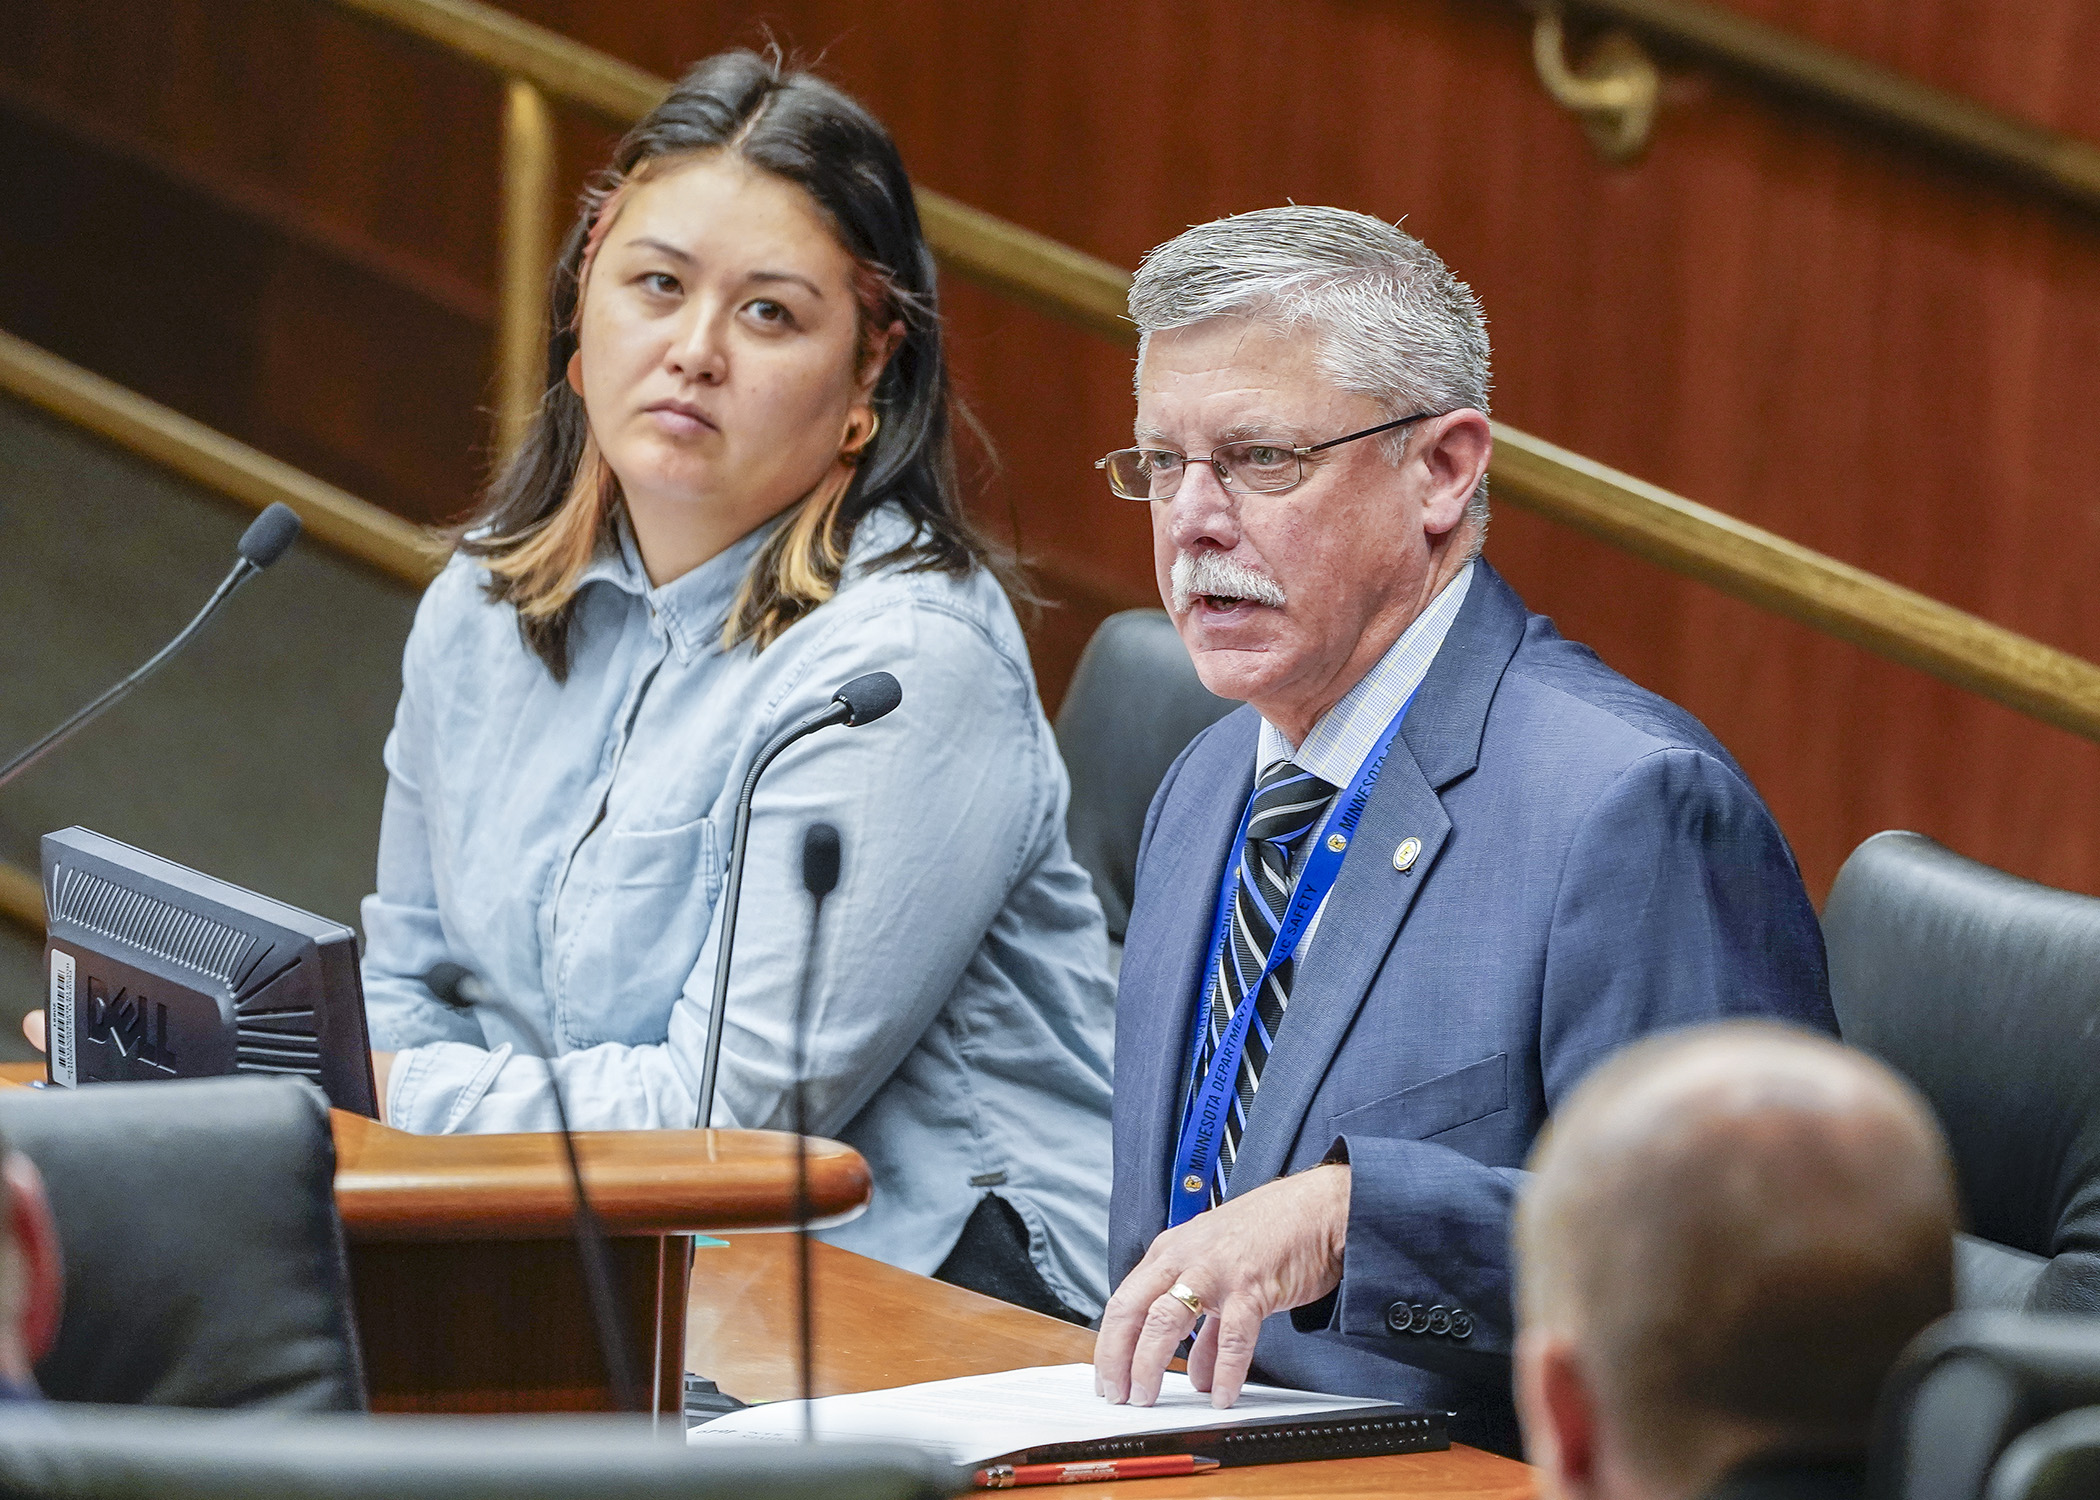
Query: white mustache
x=1213 y=573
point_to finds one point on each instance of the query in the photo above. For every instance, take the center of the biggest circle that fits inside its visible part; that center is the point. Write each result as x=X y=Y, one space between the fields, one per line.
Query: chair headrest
x=1984 y=990
x=1134 y=704
x=2059 y=1460
x=82 y=1451
x=204 y=1257
x=1965 y=1388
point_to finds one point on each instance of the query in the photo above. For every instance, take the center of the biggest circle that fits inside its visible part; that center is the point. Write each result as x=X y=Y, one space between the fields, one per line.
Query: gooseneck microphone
x=820 y=877
x=861 y=701
x=462 y=989
x=267 y=538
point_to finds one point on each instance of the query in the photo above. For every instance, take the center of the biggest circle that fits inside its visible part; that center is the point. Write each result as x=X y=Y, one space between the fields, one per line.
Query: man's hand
x=1278 y=1247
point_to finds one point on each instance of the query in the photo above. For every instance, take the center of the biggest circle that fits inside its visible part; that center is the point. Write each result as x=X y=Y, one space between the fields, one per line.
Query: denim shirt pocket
x=682 y=858
x=1425 y=1110
x=637 y=932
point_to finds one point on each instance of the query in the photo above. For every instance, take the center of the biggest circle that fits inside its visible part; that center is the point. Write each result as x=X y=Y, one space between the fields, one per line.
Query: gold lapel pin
x=1404 y=856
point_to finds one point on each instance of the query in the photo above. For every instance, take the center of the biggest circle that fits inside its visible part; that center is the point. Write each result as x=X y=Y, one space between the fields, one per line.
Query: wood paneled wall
x=283 y=219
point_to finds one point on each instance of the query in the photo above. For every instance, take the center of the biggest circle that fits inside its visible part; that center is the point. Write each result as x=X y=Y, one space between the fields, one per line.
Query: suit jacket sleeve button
x=1396 y=1317
x=1461 y=1325
x=1439 y=1320
x=1417 y=1318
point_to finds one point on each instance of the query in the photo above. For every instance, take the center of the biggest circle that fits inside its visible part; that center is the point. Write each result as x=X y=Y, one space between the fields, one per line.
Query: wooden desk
x=470 y=1294
x=877 y=1326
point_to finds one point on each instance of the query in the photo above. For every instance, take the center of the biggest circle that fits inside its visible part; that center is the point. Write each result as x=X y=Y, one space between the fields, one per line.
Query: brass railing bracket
x=529 y=168
x=1613 y=93
x=22 y=898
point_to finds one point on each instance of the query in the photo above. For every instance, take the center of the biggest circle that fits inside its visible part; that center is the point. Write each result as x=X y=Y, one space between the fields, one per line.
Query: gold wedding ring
x=1180 y=1292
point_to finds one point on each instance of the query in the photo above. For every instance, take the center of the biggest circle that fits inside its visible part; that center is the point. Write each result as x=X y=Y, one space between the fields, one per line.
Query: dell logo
x=134 y=1025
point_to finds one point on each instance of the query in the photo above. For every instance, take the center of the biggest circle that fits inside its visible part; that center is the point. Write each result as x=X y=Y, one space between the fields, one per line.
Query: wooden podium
x=470 y=1295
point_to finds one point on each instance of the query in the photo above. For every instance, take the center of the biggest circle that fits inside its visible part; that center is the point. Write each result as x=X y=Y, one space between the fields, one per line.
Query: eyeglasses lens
x=1257 y=468
x=1144 y=473
x=1250 y=468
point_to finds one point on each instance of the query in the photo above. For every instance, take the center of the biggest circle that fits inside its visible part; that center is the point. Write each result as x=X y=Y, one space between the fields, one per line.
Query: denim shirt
x=569 y=843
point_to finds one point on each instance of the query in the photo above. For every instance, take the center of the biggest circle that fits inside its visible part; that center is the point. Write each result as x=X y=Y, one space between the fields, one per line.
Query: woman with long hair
x=739 y=493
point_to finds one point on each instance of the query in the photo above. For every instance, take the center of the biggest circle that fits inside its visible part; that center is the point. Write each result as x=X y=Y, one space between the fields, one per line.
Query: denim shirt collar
x=691 y=607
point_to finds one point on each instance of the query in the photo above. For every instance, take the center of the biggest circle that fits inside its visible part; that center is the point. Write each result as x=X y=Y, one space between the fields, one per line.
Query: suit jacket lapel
x=1439 y=743
x=1167 y=946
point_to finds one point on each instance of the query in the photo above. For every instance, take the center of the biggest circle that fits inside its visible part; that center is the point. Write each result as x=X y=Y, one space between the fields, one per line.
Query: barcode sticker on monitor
x=59 y=1019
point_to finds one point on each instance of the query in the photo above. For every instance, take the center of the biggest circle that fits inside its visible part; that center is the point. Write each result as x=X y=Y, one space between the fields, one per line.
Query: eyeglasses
x=1254 y=467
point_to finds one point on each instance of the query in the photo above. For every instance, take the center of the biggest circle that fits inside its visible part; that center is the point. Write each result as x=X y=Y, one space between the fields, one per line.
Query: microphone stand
x=598 y=1276
x=711 y=1059
x=820 y=876
x=862 y=701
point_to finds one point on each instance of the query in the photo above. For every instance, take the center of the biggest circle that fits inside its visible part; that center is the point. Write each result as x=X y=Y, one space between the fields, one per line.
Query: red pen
x=1013 y=1476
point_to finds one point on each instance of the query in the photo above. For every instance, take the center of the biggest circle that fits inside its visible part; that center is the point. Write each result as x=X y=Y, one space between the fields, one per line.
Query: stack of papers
x=981 y=1417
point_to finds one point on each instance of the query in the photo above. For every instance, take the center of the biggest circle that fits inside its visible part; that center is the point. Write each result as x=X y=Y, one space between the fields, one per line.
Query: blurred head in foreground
x=1730 y=1233
x=30 y=1278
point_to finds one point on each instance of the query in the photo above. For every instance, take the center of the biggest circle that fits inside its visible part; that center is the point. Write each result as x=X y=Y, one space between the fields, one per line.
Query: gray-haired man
x=1443 y=863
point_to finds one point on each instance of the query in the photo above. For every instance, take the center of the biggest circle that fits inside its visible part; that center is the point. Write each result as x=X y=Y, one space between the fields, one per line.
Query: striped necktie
x=1289 y=804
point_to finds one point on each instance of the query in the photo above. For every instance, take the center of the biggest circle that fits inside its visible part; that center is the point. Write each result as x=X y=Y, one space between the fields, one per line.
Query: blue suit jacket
x=1593 y=867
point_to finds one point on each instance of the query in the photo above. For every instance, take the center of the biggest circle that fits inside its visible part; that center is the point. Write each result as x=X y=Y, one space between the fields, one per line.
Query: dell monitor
x=156 y=971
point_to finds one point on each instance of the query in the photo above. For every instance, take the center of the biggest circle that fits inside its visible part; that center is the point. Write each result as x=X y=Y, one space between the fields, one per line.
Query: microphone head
x=269 y=536
x=820 y=859
x=868 y=698
x=451 y=983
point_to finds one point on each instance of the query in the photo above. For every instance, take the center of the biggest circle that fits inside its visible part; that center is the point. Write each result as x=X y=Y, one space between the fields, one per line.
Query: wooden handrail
x=1743 y=560
x=1791 y=580
x=340 y=521
x=354 y=527
x=1737 y=558
x=1740 y=559
x=1032 y=268
x=2061 y=165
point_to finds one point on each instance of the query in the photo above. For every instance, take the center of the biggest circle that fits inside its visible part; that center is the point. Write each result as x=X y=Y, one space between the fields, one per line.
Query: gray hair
x=1393 y=323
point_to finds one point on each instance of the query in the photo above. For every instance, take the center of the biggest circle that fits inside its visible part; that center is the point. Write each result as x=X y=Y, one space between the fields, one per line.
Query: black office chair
x=2056 y=1461
x=1966 y=1389
x=91 y=1453
x=204 y=1258
x=1983 y=989
x=2059 y=1460
x=1134 y=704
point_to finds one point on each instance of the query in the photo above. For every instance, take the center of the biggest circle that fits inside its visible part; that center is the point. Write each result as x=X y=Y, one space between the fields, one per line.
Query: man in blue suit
x=1442 y=863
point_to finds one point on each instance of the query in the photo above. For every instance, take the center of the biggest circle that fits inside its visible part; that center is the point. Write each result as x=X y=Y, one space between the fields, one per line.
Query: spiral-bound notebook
x=1050 y=1414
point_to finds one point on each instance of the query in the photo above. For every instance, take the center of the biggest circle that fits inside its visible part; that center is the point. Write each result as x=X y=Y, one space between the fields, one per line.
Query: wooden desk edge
x=393 y=1186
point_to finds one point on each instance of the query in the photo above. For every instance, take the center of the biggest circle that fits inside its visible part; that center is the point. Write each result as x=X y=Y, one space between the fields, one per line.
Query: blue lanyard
x=1210 y=1096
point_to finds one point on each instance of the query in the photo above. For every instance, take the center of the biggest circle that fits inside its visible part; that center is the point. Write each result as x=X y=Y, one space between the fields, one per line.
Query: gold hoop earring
x=855 y=444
